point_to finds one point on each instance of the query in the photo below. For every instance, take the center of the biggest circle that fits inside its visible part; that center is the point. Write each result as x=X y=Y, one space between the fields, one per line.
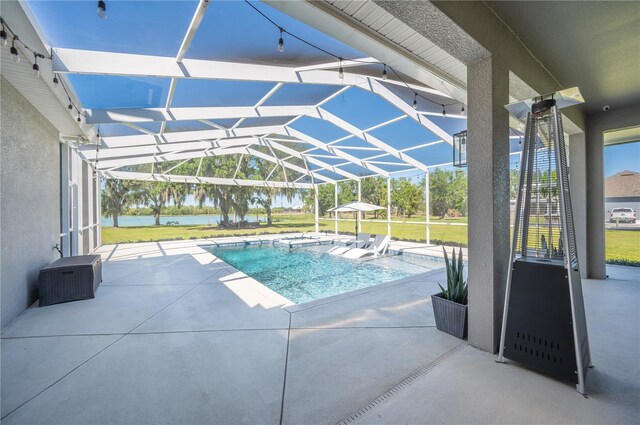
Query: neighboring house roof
x=623 y=184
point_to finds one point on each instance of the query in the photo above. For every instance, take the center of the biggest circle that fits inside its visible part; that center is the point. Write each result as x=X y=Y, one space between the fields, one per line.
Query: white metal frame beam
x=186 y=155
x=126 y=175
x=155 y=148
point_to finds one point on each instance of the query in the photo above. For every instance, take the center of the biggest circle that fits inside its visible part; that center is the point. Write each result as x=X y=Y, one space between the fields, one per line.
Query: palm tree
x=155 y=195
x=265 y=200
x=117 y=195
x=179 y=192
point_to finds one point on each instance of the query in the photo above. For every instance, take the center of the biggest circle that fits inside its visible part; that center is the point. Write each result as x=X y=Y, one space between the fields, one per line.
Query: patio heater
x=544 y=324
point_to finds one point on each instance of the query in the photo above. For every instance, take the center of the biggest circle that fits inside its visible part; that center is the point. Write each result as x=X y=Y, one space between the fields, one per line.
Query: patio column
x=488 y=197
x=427 y=209
x=336 y=205
x=315 y=207
x=360 y=214
x=595 y=230
x=64 y=200
x=389 y=207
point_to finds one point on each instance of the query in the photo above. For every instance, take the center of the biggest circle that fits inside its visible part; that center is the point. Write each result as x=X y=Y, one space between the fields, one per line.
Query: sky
x=621 y=157
x=233 y=31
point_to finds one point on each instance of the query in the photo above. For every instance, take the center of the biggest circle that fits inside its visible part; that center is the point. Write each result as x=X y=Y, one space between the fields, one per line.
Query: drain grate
x=400 y=387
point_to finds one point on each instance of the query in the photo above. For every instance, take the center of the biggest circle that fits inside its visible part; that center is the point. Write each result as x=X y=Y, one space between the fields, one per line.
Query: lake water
x=149 y=220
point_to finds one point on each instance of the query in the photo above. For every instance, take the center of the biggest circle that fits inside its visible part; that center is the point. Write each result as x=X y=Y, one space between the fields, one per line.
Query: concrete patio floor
x=175 y=335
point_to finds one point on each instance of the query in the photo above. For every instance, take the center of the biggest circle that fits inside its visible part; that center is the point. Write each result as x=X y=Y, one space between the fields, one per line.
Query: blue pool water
x=309 y=273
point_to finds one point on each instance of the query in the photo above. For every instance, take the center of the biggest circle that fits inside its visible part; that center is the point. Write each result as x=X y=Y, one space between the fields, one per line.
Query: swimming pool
x=309 y=273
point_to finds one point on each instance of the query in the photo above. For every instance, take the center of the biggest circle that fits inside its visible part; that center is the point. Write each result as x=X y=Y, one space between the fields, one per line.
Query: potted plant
x=450 y=305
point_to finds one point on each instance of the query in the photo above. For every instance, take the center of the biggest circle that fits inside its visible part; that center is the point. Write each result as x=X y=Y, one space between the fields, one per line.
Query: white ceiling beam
x=213 y=124
x=126 y=175
x=76 y=61
x=391 y=97
x=424 y=145
x=186 y=136
x=336 y=63
x=172 y=90
x=327 y=17
x=86 y=151
x=126 y=64
x=268 y=95
x=104 y=164
x=287 y=165
x=238 y=166
x=176 y=166
x=198 y=15
x=359 y=148
x=138 y=115
x=348 y=127
x=336 y=151
x=311 y=159
x=384 y=124
x=199 y=167
x=138 y=128
x=397 y=164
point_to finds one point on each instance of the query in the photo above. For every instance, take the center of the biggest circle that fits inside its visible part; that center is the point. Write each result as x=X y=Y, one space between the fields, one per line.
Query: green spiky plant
x=456 y=285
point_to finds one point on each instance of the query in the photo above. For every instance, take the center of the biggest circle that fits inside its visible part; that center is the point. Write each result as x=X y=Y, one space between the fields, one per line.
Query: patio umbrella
x=356 y=207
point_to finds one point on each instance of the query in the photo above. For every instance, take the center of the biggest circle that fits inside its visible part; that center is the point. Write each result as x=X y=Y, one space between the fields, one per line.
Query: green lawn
x=620 y=244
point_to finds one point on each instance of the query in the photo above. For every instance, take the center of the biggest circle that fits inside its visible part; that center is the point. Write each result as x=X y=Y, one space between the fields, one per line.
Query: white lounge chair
x=362 y=241
x=379 y=247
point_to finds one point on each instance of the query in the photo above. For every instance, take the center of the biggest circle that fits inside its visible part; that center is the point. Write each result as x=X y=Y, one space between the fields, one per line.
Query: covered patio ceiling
x=160 y=108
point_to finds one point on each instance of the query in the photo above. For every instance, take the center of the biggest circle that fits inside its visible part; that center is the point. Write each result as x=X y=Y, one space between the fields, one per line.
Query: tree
x=155 y=195
x=264 y=195
x=406 y=196
x=514 y=183
x=326 y=193
x=347 y=192
x=374 y=191
x=117 y=195
x=221 y=196
x=179 y=192
x=448 y=190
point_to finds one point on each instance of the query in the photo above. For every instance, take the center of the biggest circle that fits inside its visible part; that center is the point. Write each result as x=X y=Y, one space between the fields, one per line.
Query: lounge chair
x=362 y=241
x=379 y=247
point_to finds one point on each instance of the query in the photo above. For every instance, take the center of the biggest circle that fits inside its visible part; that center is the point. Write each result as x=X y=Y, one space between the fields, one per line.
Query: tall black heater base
x=539 y=331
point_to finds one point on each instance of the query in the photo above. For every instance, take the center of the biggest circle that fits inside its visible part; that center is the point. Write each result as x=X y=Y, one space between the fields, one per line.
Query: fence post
x=389 y=206
x=427 y=209
x=336 y=205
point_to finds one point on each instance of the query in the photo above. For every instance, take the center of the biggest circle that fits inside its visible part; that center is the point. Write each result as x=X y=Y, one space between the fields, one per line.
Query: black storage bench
x=70 y=279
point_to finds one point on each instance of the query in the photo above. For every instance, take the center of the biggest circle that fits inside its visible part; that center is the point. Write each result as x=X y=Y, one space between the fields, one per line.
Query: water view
x=149 y=220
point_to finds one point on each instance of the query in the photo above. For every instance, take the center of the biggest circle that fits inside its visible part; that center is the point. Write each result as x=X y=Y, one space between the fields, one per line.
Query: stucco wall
x=597 y=124
x=29 y=200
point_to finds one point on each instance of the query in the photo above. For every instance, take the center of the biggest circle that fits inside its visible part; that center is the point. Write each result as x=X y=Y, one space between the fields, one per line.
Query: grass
x=622 y=246
x=283 y=224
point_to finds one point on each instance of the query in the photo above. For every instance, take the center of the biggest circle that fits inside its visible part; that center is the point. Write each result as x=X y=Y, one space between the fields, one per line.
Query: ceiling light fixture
x=102 y=9
x=281 y=41
x=14 y=52
x=36 y=67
